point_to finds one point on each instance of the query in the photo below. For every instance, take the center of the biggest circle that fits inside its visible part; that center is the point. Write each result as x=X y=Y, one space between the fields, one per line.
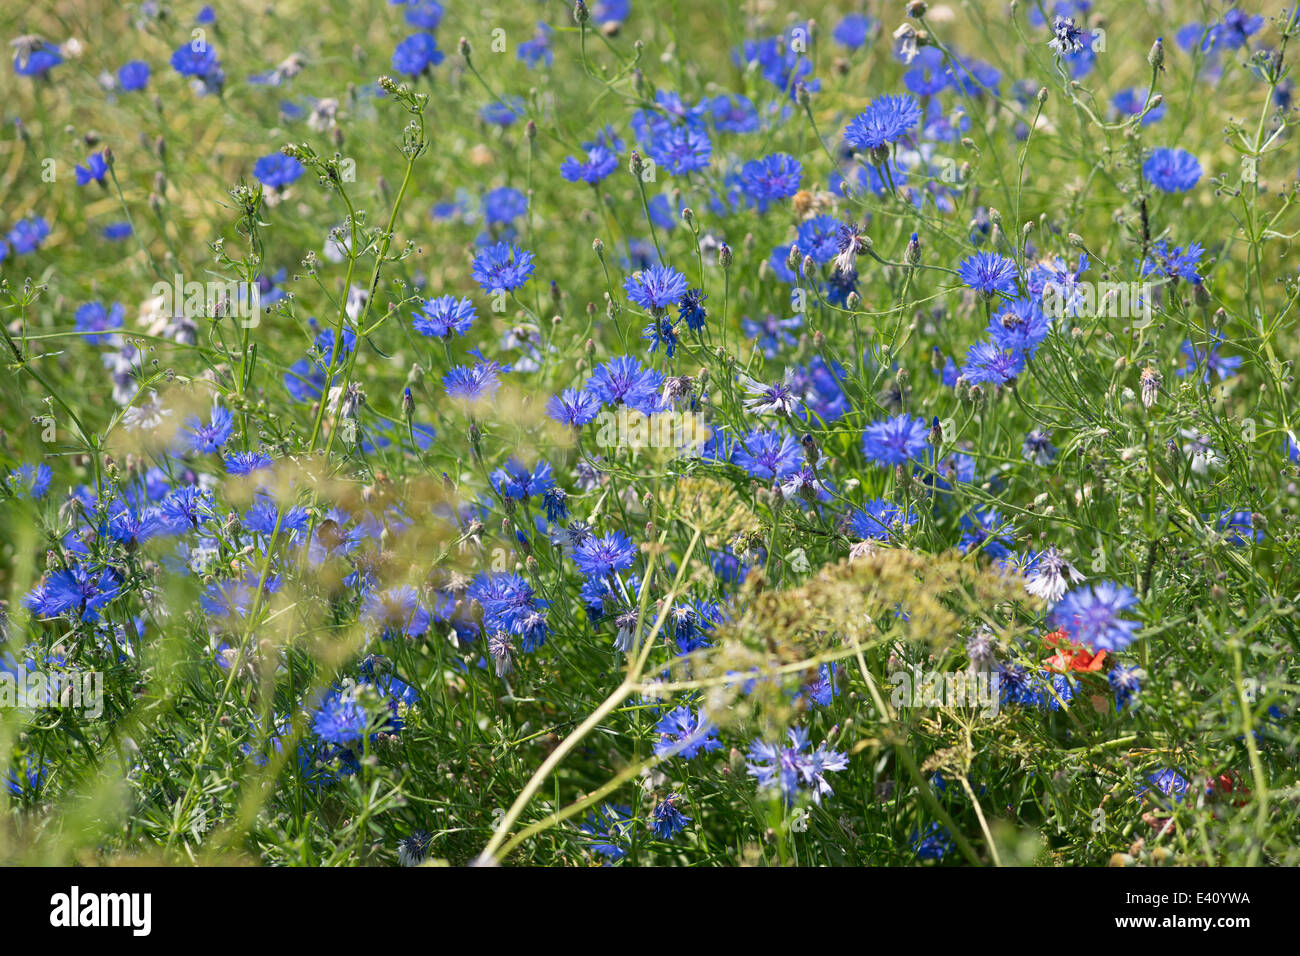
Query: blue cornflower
x=396 y=611
x=502 y=267
x=609 y=830
x=503 y=112
x=264 y=515
x=35 y=57
x=196 y=59
x=945 y=369
x=600 y=162
x=692 y=623
x=1038 y=447
x=1176 y=262
x=1209 y=361
x=132 y=527
x=680 y=148
x=186 y=507
x=956 y=468
x=610 y=11
x=416 y=54
x=821 y=238
x=573 y=407
x=987 y=531
x=985 y=362
x=623 y=379
x=513 y=480
x=277 y=170
x=821 y=692
x=246 y=462
x=600 y=557
x=1238 y=527
x=94 y=319
x=1234 y=30
x=733 y=113
x=663 y=332
x=473 y=384
x=853 y=31
x=668 y=820
x=655 y=288
x=439 y=318
x=94 y=171
x=894 y=441
x=27 y=780
x=1090 y=615
x=1168 y=782
x=425 y=14
x=772 y=333
x=769 y=454
x=989 y=274
x=230 y=598
x=210 y=436
x=1016 y=685
x=133 y=76
x=340 y=719
x=506 y=599
x=333 y=353
x=885 y=120
x=933 y=843
x=27 y=235
x=1020 y=326
x=556 y=502
x=1172 y=170
x=880 y=520
x=975 y=79
x=661 y=213
x=503 y=205
x=779 y=62
x=770 y=179
x=929 y=74
x=683 y=733
x=1131 y=101
x=117 y=231
x=538 y=49
x=1126 y=683
x=78 y=589
x=690 y=309
x=31 y=481
x=672 y=110
x=531 y=626
x=788 y=769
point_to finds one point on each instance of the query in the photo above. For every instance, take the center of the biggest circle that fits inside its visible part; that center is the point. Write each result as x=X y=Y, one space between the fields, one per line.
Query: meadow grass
x=926 y=492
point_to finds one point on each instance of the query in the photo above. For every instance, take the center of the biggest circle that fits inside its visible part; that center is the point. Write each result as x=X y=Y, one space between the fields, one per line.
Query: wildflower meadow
x=646 y=433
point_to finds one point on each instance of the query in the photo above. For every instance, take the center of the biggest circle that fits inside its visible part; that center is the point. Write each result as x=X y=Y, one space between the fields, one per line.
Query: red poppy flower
x=1070 y=656
x=1227 y=785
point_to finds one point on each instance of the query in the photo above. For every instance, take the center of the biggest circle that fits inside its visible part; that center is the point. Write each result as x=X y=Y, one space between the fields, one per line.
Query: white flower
x=148 y=415
x=1052 y=576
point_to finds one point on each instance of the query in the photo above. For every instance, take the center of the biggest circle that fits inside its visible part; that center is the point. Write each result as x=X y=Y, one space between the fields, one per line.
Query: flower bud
x=913 y=253
x=1157 y=55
